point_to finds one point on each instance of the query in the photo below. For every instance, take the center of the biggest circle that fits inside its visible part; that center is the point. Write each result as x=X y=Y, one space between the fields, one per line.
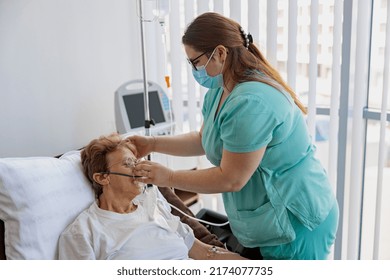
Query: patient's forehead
x=120 y=155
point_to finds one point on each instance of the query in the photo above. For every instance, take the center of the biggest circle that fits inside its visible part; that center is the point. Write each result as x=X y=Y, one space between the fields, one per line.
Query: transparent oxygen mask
x=130 y=163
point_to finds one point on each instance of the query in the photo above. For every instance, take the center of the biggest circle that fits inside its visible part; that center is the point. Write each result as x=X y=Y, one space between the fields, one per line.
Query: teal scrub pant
x=308 y=245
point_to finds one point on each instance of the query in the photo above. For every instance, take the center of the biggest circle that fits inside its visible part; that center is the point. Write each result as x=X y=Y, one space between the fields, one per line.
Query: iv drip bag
x=163 y=9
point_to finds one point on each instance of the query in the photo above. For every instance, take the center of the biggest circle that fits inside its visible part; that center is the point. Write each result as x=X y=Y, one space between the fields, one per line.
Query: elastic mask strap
x=121 y=174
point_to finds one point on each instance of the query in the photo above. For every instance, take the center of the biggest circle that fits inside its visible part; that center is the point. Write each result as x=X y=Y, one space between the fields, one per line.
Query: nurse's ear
x=222 y=52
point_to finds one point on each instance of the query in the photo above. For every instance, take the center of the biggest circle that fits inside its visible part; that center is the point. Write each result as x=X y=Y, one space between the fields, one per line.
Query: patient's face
x=122 y=161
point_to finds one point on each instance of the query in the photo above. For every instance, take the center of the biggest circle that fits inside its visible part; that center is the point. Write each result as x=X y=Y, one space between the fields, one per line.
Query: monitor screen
x=134 y=104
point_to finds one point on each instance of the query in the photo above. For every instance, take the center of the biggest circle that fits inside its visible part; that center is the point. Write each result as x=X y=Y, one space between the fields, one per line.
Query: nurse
x=275 y=191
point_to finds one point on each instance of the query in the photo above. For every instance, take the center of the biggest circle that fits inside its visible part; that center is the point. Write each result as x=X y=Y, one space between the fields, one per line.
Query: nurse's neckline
x=220 y=103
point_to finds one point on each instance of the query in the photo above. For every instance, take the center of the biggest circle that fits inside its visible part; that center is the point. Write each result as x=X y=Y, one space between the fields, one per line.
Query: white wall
x=60 y=64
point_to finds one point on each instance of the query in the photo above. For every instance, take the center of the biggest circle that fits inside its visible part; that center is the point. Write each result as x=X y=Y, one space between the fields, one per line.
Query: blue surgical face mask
x=204 y=79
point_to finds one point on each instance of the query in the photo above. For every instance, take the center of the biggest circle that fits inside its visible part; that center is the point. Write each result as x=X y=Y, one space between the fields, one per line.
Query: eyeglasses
x=192 y=61
x=128 y=162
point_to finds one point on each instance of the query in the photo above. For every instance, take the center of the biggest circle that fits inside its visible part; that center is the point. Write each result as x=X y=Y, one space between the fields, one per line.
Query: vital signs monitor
x=130 y=110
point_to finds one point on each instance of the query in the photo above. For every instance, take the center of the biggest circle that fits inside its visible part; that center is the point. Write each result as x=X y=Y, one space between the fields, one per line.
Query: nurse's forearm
x=233 y=173
x=188 y=144
x=210 y=180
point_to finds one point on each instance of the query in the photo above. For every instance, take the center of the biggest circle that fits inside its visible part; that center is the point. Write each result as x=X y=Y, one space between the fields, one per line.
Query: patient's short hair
x=94 y=156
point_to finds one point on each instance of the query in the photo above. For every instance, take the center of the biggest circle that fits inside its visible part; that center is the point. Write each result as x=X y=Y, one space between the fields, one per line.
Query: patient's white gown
x=151 y=232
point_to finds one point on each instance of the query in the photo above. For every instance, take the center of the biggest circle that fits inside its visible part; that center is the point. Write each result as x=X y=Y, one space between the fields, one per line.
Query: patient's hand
x=203 y=251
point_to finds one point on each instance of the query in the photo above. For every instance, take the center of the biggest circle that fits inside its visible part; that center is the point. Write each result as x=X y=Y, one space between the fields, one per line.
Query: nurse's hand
x=153 y=173
x=144 y=144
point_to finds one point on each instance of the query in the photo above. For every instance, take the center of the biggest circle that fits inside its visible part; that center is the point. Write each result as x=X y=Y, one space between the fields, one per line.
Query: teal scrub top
x=256 y=115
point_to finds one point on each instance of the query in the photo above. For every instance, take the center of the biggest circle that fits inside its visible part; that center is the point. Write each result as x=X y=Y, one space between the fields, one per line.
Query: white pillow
x=39 y=197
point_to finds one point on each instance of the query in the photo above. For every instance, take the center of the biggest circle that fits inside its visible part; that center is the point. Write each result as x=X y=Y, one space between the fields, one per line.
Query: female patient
x=127 y=221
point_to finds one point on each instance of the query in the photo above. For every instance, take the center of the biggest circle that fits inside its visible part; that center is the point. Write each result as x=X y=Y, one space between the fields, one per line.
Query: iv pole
x=148 y=121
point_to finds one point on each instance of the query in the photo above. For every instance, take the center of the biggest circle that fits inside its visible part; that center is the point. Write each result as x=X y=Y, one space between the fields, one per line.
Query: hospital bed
x=40 y=196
